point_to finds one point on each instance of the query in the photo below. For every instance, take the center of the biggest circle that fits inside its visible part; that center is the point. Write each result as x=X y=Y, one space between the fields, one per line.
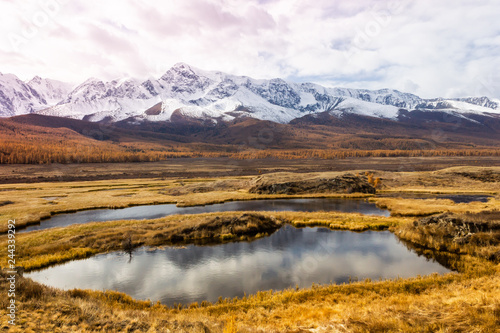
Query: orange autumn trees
x=31 y=144
x=27 y=152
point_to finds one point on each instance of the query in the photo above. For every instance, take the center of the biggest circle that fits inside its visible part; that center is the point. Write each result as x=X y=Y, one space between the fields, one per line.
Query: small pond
x=288 y=258
x=157 y=211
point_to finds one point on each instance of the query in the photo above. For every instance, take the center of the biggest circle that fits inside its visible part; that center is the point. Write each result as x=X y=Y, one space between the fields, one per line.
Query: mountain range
x=185 y=93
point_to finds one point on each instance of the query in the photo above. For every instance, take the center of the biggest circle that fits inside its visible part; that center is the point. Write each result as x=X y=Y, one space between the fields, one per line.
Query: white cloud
x=445 y=48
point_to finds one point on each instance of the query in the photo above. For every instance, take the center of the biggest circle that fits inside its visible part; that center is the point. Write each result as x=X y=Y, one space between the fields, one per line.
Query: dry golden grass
x=445 y=181
x=224 y=167
x=453 y=302
x=466 y=301
x=30 y=203
x=476 y=234
x=341 y=221
x=420 y=207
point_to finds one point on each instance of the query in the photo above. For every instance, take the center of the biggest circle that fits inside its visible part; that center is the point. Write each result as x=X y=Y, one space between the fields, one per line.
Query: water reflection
x=157 y=211
x=287 y=258
x=456 y=198
x=450 y=260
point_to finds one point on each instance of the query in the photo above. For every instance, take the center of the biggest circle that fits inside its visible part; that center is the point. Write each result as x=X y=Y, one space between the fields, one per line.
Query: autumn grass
x=475 y=234
x=461 y=301
x=31 y=203
x=43 y=248
x=341 y=221
x=425 y=207
x=464 y=301
x=451 y=180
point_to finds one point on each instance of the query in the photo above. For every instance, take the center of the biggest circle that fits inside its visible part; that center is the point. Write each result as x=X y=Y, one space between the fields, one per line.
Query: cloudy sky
x=445 y=48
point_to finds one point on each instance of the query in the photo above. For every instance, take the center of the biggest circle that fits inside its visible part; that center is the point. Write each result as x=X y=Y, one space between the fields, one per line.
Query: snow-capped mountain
x=18 y=97
x=95 y=99
x=52 y=91
x=188 y=92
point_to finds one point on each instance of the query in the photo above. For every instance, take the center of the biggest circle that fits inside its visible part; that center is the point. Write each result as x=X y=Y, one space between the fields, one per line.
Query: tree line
x=46 y=153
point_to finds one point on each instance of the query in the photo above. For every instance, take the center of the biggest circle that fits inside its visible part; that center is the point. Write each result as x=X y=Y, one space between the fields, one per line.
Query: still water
x=456 y=198
x=157 y=211
x=290 y=257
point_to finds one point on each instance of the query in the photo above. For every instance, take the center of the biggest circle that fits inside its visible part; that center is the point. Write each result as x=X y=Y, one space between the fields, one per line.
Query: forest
x=27 y=143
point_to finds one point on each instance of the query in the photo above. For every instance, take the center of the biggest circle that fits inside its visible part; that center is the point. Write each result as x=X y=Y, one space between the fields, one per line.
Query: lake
x=288 y=258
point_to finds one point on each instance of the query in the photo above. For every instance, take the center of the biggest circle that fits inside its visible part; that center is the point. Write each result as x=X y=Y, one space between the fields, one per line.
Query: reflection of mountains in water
x=296 y=241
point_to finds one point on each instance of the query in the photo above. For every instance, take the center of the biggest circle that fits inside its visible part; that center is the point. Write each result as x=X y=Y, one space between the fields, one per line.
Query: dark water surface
x=157 y=211
x=456 y=198
x=464 y=198
x=287 y=258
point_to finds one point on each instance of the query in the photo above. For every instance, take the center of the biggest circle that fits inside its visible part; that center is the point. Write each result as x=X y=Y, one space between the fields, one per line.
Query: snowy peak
x=481 y=101
x=96 y=100
x=185 y=82
x=277 y=92
x=190 y=92
x=35 y=80
x=17 y=97
x=467 y=105
x=52 y=91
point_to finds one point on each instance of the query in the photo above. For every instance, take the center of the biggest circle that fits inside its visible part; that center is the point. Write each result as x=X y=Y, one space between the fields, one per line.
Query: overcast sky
x=432 y=48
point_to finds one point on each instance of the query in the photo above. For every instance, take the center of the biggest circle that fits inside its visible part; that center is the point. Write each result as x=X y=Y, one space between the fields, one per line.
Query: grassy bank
x=476 y=234
x=453 y=302
x=425 y=207
x=464 y=301
x=94 y=311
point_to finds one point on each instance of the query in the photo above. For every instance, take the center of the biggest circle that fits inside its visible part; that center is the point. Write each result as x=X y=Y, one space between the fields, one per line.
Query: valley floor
x=464 y=301
x=224 y=167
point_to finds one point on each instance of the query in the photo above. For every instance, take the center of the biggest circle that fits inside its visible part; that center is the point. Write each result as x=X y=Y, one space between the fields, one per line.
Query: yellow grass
x=466 y=301
x=423 y=207
x=33 y=202
x=445 y=181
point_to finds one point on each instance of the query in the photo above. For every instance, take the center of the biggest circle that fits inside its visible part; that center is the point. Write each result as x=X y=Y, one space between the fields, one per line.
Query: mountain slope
x=315 y=131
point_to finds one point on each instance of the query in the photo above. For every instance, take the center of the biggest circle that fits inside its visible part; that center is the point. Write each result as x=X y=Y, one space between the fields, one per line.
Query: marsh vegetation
x=463 y=236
